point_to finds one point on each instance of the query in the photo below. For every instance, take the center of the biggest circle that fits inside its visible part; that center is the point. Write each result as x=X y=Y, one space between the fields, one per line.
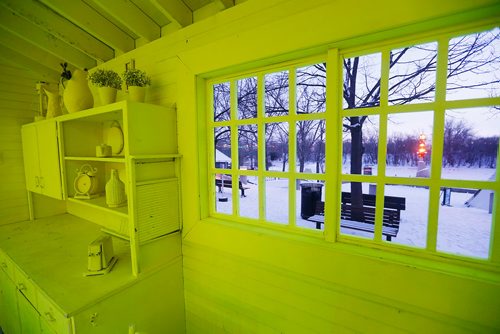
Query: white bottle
x=115 y=191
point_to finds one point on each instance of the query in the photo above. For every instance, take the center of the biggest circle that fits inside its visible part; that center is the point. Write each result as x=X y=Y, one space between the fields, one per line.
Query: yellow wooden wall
x=241 y=279
x=18 y=103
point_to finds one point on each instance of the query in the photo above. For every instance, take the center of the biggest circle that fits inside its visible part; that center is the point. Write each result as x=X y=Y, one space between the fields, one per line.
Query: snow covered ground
x=461 y=229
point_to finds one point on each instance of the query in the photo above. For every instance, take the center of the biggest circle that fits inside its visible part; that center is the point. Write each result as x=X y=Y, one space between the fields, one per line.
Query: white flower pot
x=136 y=93
x=107 y=95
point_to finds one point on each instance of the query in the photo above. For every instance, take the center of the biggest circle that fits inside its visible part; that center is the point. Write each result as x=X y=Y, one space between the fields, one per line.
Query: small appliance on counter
x=101 y=257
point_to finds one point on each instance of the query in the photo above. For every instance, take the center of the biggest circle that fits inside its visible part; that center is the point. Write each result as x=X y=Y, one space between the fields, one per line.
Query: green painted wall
x=18 y=103
x=241 y=279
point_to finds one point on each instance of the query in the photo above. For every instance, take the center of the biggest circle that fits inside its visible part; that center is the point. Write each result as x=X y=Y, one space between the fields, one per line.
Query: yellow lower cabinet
x=26 y=287
x=45 y=328
x=52 y=317
x=9 y=312
x=28 y=316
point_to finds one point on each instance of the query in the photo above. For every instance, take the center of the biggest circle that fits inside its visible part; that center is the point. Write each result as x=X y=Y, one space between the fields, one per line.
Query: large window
x=403 y=153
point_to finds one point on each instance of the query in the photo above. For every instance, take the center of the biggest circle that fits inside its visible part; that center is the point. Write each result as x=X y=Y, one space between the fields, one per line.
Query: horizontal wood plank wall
x=240 y=280
x=18 y=103
x=243 y=280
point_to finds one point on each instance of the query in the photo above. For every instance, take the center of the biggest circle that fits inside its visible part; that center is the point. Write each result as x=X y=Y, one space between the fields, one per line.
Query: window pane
x=412 y=76
x=249 y=197
x=474 y=66
x=360 y=145
x=311 y=89
x=311 y=138
x=247 y=98
x=277 y=200
x=464 y=225
x=362 y=81
x=222 y=141
x=222 y=105
x=471 y=143
x=247 y=146
x=407 y=133
x=276 y=99
x=413 y=223
x=277 y=146
x=223 y=193
x=310 y=204
x=357 y=213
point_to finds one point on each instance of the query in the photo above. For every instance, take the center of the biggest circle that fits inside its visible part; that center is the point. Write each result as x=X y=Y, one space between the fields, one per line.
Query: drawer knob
x=21 y=287
x=50 y=317
x=4 y=265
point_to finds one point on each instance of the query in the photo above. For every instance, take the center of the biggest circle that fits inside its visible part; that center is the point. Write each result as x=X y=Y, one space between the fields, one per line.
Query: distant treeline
x=402 y=151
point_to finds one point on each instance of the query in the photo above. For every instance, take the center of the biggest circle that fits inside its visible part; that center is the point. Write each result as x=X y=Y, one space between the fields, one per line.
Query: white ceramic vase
x=107 y=95
x=136 y=93
x=53 y=103
x=115 y=191
x=77 y=94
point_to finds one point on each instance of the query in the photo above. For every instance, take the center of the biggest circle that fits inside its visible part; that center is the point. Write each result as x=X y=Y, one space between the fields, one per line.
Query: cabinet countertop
x=52 y=252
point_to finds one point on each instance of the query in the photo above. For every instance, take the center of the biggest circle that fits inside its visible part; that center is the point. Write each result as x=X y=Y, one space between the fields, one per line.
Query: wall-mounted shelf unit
x=143 y=140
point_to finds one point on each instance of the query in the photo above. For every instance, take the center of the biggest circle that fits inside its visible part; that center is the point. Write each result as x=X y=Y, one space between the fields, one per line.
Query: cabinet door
x=30 y=319
x=9 y=313
x=30 y=154
x=48 y=156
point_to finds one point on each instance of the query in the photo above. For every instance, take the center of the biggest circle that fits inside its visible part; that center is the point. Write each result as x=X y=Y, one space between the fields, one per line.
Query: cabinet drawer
x=6 y=265
x=26 y=286
x=52 y=316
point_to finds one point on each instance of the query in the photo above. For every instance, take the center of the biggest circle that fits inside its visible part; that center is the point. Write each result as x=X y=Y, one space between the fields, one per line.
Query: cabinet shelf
x=119 y=159
x=100 y=203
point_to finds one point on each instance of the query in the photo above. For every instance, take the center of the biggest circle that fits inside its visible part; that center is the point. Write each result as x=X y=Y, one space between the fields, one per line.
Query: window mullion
x=382 y=147
x=292 y=107
x=333 y=148
x=261 y=145
x=234 y=145
x=437 y=144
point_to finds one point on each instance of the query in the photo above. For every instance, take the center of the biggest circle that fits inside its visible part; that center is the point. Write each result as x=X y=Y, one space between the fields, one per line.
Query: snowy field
x=462 y=229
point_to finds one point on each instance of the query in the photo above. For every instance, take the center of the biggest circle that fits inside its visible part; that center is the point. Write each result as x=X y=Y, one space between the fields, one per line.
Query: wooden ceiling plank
x=92 y=22
x=32 y=33
x=12 y=57
x=152 y=11
x=226 y=3
x=129 y=15
x=28 y=49
x=175 y=11
x=61 y=28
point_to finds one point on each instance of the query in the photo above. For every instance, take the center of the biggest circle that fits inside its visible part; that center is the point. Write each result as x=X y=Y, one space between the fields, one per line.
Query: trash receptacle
x=310 y=195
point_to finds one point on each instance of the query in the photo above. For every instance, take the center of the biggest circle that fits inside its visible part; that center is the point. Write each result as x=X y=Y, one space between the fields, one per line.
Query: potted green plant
x=108 y=83
x=136 y=81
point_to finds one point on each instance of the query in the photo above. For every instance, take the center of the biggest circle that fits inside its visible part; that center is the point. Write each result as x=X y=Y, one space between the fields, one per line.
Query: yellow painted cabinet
x=9 y=312
x=41 y=158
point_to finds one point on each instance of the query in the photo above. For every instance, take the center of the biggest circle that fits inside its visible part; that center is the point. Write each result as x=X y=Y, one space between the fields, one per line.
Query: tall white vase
x=53 y=103
x=115 y=191
x=77 y=94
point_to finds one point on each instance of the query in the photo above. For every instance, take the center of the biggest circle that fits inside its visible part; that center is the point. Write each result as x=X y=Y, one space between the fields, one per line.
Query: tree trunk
x=356 y=165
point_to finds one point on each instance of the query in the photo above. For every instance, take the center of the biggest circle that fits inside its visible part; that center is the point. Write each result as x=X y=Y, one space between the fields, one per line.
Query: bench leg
x=388 y=237
x=318 y=225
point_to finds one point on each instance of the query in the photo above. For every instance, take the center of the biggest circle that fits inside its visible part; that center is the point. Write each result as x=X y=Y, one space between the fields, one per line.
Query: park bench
x=227 y=183
x=363 y=219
